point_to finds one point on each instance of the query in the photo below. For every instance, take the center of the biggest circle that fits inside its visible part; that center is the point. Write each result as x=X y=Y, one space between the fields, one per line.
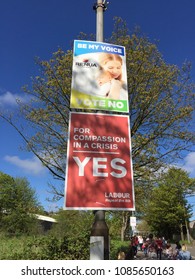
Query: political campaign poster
x=99 y=78
x=133 y=221
x=99 y=168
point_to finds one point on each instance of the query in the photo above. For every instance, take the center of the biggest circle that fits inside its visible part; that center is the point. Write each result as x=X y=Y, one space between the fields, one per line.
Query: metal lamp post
x=99 y=247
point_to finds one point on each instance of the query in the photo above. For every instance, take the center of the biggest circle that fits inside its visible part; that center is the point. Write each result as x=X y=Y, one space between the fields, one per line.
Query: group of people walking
x=158 y=247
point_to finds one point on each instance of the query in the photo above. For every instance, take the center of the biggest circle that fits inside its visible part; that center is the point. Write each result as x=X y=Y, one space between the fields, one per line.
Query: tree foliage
x=168 y=208
x=72 y=223
x=18 y=203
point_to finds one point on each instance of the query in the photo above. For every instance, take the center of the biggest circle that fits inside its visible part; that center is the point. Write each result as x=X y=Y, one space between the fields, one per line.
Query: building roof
x=46 y=218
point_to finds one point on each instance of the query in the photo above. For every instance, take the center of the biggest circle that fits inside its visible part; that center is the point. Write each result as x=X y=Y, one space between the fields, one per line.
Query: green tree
x=18 y=204
x=168 y=208
x=5 y=182
x=72 y=223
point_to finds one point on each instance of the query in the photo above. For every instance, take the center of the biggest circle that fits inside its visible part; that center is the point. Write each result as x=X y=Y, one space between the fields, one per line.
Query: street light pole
x=100 y=7
x=99 y=244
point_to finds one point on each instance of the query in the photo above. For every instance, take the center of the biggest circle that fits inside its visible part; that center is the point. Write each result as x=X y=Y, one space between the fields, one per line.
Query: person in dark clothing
x=159 y=247
x=134 y=244
x=177 y=250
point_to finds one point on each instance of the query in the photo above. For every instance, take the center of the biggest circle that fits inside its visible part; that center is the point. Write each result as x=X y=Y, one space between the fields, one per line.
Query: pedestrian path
x=151 y=256
x=141 y=256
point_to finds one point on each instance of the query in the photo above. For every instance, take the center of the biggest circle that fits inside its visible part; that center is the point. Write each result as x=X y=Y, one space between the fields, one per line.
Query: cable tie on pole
x=101 y=5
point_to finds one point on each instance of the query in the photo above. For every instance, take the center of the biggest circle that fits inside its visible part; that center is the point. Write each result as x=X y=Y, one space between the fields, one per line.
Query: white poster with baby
x=99 y=78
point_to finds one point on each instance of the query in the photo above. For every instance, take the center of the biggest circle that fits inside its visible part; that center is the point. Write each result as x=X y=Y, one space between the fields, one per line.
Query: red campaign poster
x=99 y=167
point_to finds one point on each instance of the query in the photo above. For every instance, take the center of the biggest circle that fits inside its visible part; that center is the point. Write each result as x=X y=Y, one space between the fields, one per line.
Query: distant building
x=46 y=222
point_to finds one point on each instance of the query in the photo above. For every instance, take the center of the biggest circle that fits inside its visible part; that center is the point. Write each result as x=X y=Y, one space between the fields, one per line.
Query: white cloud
x=189 y=164
x=30 y=166
x=10 y=99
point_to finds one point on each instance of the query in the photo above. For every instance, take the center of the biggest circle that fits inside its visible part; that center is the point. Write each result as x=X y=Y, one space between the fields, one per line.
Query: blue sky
x=38 y=27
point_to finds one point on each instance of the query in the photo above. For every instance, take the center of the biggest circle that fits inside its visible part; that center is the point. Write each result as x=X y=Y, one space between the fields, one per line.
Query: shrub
x=117 y=246
x=45 y=248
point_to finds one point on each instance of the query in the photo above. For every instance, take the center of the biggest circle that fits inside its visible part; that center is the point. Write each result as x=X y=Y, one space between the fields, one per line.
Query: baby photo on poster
x=99 y=79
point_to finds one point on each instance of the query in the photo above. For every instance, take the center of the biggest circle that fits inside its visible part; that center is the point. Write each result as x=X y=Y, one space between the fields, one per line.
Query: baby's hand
x=116 y=85
x=115 y=89
x=115 y=82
